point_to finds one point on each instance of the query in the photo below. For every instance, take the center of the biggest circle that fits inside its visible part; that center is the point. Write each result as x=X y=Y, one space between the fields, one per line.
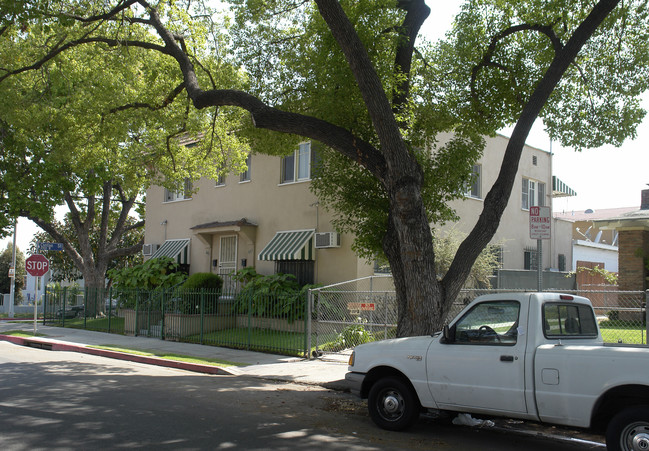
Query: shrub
x=274 y=296
x=350 y=337
x=203 y=281
x=202 y=286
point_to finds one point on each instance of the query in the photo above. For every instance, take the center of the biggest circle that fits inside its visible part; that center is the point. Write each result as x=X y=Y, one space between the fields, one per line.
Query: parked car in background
x=71 y=312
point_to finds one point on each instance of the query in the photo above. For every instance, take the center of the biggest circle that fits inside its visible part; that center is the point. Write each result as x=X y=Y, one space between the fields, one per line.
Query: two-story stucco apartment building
x=267 y=218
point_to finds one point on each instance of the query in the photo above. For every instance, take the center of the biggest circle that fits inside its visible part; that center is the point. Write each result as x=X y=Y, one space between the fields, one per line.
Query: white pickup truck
x=533 y=356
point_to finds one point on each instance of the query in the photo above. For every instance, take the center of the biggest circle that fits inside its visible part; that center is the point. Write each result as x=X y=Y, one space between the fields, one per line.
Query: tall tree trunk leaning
x=424 y=301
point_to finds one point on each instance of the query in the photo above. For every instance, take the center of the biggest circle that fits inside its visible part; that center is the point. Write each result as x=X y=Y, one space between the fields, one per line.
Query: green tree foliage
x=352 y=75
x=6 y=262
x=89 y=123
x=160 y=272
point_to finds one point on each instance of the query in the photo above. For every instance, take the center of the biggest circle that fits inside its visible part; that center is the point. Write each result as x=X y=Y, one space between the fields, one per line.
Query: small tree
x=6 y=260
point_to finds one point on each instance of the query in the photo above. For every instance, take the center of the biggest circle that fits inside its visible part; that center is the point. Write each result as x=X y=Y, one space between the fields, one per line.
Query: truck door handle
x=506 y=358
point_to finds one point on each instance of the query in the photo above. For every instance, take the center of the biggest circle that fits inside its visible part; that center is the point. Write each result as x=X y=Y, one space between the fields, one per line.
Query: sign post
x=540 y=229
x=37 y=265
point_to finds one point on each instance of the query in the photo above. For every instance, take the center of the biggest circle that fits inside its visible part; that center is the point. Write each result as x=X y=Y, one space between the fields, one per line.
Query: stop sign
x=37 y=265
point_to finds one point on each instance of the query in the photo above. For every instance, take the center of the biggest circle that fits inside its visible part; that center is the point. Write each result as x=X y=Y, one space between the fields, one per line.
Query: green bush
x=202 y=287
x=274 y=296
x=350 y=337
x=203 y=281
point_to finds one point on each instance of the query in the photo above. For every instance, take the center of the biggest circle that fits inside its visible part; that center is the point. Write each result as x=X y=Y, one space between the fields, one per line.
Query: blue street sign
x=58 y=247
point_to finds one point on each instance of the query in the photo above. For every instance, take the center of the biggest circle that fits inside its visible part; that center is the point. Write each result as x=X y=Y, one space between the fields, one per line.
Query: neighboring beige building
x=267 y=218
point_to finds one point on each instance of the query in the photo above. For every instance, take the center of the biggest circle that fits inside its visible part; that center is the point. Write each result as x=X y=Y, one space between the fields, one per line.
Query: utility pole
x=12 y=288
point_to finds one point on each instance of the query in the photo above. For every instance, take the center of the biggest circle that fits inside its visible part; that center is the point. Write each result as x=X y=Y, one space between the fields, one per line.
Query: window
x=172 y=196
x=562 y=262
x=533 y=194
x=488 y=323
x=220 y=181
x=474 y=187
x=303 y=270
x=245 y=175
x=568 y=320
x=299 y=165
x=530 y=260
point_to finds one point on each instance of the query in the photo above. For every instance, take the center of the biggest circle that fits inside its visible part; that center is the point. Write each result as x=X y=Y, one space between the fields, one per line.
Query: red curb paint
x=195 y=367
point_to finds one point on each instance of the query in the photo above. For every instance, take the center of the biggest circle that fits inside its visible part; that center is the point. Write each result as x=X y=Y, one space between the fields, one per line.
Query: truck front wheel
x=629 y=430
x=393 y=404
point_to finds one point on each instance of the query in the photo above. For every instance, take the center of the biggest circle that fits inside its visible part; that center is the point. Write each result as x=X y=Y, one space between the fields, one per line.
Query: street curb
x=57 y=346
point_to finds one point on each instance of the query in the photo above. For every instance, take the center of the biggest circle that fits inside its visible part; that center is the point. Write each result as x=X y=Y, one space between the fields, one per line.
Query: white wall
x=595 y=252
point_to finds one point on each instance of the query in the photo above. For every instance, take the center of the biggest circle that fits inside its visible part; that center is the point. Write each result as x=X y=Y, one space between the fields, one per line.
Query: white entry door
x=228 y=254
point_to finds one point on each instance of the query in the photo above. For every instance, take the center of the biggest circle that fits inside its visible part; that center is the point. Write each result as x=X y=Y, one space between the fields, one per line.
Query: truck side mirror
x=446 y=334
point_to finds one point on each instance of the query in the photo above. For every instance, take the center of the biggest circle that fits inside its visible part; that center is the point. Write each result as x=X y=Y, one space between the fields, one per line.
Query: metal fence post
x=646 y=316
x=309 y=301
x=137 y=312
x=162 y=313
x=202 y=314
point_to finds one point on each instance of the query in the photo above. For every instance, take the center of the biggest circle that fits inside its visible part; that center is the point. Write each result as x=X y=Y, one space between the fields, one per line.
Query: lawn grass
x=629 y=332
x=22 y=333
x=170 y=356
x=96 y=324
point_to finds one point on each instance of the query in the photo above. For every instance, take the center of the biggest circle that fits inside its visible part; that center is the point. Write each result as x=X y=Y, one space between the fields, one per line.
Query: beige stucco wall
x=513 y=231
x=275 y=207
x=263 y=201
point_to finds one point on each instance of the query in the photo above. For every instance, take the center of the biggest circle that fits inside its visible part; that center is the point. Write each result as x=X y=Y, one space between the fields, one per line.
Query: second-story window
x=245 y=175
x=533 y=194
x=299 y=165
x=186 y=193
x=474 y=187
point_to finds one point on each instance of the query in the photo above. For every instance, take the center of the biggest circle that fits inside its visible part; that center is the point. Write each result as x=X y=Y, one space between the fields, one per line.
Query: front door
x=483 y=366
x=227 y=259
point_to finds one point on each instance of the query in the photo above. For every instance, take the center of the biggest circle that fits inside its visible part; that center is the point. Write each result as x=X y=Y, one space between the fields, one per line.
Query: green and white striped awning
x=292 y=245
x=560 y=189
x=176 y=249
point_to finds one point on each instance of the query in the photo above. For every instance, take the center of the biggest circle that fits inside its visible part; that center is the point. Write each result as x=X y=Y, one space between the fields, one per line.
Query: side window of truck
x=489 y=323
x=568 y=321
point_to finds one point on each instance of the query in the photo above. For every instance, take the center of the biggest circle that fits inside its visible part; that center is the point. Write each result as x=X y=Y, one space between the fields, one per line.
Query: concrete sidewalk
x=327 y=372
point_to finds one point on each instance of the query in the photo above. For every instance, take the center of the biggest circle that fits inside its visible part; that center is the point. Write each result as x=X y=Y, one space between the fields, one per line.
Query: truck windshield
x=568 y=320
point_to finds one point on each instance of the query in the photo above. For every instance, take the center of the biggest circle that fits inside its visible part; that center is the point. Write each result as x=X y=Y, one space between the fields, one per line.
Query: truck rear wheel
x=393 y=404
x=629 y=430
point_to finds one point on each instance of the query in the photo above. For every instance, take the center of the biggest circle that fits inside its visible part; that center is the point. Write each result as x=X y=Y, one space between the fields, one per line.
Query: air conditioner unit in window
x=325 y=240
x=149 y=249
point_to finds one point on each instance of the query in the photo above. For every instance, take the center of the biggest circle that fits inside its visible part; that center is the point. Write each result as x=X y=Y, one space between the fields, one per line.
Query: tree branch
x=498 y=197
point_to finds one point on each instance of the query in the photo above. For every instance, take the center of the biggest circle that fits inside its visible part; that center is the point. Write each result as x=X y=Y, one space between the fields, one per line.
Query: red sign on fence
x=37 y=265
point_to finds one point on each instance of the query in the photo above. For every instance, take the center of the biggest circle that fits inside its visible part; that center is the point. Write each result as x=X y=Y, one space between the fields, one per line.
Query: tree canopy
x=352 y=74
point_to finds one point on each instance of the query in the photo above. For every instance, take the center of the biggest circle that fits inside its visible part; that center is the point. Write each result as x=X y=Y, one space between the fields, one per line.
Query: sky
x=607 y=177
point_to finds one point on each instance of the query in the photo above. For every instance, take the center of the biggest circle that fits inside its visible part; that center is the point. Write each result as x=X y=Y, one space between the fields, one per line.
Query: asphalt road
x=62 y=400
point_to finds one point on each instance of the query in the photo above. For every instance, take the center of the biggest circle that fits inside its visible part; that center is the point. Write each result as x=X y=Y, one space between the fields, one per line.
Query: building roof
x=594 y=215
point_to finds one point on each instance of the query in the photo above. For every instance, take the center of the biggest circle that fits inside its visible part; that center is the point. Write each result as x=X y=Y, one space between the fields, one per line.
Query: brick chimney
x=644 y=200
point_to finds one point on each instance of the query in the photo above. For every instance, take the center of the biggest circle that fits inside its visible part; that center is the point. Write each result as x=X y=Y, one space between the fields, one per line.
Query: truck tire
x=393 y=404
x=629 y=430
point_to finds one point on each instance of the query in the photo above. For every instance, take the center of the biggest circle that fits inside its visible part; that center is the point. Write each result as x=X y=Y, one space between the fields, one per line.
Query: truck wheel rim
x=635 y=437
x=391 y=405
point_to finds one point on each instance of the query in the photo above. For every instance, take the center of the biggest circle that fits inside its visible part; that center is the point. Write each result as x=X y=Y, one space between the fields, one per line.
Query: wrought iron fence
x=260 y=323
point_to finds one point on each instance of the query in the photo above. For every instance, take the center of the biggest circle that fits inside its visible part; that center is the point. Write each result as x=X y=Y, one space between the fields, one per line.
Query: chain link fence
x=363 y=310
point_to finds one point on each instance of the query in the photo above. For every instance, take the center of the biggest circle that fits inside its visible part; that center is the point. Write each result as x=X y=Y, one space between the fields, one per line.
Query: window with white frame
x=220 y=181
x=186 y=193
x=533 y=194
x=245 y=175
x=474 y=187
x=299 y=165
